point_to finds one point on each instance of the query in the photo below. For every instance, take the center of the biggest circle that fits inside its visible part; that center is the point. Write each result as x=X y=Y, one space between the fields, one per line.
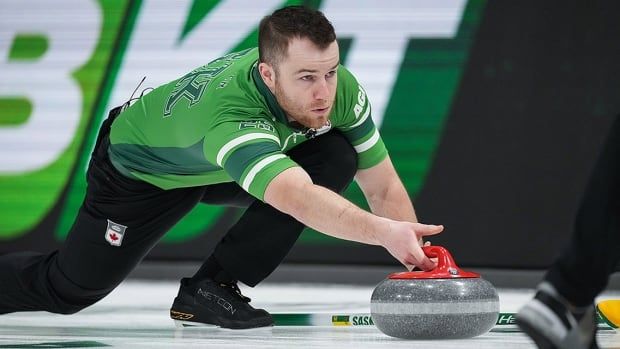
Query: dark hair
x=276 y=30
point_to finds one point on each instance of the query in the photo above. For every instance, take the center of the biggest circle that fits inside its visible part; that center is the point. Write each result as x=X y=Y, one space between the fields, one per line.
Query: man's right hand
x=402 y=240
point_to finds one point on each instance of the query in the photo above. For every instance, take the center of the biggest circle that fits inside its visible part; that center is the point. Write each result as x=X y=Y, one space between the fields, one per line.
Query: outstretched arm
x=385 y=192
x=293 y=192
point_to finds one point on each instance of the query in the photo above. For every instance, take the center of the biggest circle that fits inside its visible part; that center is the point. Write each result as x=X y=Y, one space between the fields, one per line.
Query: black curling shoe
x=209 y=302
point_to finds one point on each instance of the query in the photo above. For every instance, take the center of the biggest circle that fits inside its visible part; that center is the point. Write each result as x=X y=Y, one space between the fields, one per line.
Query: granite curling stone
x=444 y=303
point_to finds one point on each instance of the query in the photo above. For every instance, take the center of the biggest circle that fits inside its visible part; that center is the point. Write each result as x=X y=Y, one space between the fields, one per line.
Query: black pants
x=87 y=267
x=583 y=270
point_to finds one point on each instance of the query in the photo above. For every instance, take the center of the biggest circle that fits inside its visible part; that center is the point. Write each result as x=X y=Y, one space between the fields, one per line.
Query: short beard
x=287 y=105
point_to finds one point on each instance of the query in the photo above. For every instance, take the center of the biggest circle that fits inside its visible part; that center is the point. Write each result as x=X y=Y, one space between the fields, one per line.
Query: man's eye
x=331 y=74
x=307 y=77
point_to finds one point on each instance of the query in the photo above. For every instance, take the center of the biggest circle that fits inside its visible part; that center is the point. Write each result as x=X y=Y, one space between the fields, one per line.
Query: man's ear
x=268 y=74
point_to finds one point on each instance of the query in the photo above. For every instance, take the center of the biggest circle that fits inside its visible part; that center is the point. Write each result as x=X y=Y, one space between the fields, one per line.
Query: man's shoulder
x=243 y=56
x=345 y=75
x=348 y=85
x=351 y=98
x=231 y=89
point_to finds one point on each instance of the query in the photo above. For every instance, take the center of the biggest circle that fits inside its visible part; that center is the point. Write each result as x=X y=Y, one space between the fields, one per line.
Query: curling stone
x=444 y=303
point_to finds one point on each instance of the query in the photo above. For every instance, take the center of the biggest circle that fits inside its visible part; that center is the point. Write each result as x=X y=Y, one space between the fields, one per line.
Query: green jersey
x=220 y=123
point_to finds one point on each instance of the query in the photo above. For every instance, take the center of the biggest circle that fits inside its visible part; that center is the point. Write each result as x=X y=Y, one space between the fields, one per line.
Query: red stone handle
x=446 y=267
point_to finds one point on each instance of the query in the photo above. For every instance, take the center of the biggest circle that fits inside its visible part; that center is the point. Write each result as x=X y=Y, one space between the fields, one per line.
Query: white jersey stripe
x=239 y=140
x=368 y=144
x=259 y=166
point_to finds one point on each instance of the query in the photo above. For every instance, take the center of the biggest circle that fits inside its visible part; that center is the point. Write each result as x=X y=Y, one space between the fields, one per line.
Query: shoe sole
x=184 y=319
x=183 y=323
x=188 y=324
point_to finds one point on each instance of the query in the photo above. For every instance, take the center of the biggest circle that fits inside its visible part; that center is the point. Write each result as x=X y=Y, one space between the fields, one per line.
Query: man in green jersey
x=280 y=130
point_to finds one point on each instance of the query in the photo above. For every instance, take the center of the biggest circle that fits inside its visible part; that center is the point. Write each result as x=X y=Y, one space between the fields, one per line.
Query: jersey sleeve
x=249 y=152
x=357 y=124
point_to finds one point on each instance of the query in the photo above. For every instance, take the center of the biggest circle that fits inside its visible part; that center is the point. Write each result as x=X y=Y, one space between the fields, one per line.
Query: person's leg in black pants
x=87 y=267
x=262 y=237
x=562 y=315
x=583 y=270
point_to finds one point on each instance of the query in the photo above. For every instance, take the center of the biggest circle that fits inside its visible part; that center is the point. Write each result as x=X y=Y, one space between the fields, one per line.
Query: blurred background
x=493 y=113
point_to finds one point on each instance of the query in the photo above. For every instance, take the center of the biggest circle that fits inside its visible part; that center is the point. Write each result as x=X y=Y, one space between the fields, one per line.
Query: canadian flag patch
x=114 y=233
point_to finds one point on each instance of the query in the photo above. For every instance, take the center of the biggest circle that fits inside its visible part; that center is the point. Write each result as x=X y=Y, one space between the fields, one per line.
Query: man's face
x=304 y=82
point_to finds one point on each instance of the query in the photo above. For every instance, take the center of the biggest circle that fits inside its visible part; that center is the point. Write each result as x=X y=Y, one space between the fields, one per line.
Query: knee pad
x=340 y=163
x=329 y=159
